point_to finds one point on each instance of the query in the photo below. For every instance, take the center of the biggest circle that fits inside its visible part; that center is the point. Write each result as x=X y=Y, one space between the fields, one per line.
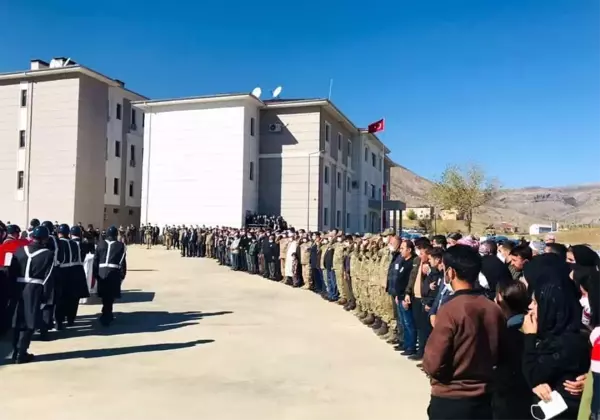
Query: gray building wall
x=90 y=165
x=284 y=185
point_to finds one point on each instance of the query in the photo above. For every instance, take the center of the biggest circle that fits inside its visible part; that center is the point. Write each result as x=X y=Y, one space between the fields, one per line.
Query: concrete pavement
x=194 y=340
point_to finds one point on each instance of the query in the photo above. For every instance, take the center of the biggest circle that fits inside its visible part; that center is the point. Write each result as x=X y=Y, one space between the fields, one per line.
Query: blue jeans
x=332 y=291
x=408 y=325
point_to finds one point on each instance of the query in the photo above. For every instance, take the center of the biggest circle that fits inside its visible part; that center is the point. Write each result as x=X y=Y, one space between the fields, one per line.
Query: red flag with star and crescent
x=377 y=126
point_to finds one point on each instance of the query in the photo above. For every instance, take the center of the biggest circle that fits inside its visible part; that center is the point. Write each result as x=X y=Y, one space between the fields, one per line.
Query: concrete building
x=421 y=213
x=56 y=121
x=212 y=160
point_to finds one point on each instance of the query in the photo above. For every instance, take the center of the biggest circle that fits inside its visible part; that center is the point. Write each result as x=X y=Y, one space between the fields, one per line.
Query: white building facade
x=200 y=160
x=53 y=130
x=213 y=160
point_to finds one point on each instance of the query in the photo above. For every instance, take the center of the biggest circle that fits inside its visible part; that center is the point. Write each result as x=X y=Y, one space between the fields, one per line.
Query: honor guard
x=31 y=271
x=49 y=306
x=110 y=268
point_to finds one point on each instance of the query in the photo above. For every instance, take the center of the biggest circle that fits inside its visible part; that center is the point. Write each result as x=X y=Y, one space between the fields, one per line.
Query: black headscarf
x=495 y=271
x=558 y=311
x=585 y=256
x=547 y=268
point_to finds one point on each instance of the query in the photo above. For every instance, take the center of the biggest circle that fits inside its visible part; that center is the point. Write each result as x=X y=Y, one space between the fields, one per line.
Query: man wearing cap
x=110 y=268
x=31 y=270
x=284 y=243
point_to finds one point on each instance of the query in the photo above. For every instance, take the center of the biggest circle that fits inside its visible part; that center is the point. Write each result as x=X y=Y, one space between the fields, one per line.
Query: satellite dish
x=256 y=92
x=277 y=91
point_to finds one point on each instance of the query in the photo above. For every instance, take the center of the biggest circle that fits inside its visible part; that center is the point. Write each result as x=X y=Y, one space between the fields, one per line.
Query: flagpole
x=382 y=178
x=330 y=88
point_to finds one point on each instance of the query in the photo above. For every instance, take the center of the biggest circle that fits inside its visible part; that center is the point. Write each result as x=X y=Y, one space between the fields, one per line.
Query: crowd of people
x=42 y=278
x=503 y=330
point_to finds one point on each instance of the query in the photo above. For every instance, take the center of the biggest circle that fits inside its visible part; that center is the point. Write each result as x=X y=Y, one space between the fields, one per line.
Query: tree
x=426 y=225
x=464 y=190
x=411 y=215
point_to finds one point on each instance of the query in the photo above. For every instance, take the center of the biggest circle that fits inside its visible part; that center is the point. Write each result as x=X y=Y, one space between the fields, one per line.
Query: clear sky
x=512 y=85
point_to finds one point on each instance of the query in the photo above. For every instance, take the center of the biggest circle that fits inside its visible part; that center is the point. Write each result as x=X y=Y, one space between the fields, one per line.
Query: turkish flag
x=377 y=126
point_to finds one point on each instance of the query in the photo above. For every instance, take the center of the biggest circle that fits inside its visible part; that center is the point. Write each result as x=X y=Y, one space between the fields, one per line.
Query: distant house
x=508 y=228
x=538 y=229
x=451 y=214
x=422 y=213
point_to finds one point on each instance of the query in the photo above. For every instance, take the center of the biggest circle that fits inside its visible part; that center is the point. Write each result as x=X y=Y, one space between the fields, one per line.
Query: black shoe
x=70 y=323
x=14 y=355
x=44 y=336
x=399 y=347
x=416 y=357
x=59 y=326
x=24 y=358
x=408 y=352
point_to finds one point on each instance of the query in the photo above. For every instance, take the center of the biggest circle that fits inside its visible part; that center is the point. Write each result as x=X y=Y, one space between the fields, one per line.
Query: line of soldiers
x=350 y=270
x=44 y=279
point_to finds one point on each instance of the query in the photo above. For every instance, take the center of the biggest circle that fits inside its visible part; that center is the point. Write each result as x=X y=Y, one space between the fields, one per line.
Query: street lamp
x=308 y=194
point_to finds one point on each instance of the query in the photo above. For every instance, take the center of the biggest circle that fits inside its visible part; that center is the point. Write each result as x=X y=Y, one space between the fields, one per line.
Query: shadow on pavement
x=96 y=353
x=134 y=323
x=135 y=296
x=141 y=269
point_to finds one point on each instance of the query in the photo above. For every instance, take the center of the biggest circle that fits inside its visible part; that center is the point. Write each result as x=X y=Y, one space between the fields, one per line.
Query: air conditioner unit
x=133 y=126
x=275 y=128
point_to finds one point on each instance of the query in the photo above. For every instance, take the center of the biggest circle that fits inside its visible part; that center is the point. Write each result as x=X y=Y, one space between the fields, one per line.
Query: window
x=116 y=186
x=379 y=193
x=252 y=127
x=366 y=154
x=380 y=160
x=131 y=188
x=372 y=191
x=20 y=178
x=251 y=171
x=21 y=139
x=131 y=211
x=132 y=155
x=366 y=187
x=143 y=124
x=338 y=218
x=347 y=220
x=118 y=111
x=327 y=131
x=339 y=180
x=373 y=160
x=326 y=175
x=339 y=141
x=133 y=119
x=23 y=97
x=349 y=148
x=325 y=216
x=117 y=148
x=365 y=222
x=348 y=184
x=115 y=211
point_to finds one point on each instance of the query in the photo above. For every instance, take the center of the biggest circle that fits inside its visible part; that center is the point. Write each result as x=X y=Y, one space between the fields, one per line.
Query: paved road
x=195 y=340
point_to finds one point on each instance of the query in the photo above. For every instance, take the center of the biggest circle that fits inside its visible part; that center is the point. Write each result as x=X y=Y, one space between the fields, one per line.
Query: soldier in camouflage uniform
x=284 y=242
x=347 y=278
x=366 y=272
x=357 y=260
x=209 y=243
x=387 y=329
x=305 y=253
x=338 y=269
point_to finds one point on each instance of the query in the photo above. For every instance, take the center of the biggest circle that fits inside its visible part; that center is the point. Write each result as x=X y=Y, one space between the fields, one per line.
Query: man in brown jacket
x=465 y=345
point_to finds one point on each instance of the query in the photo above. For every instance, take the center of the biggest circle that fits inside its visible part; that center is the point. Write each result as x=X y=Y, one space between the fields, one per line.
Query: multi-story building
x=56 y=121
x=212 y=160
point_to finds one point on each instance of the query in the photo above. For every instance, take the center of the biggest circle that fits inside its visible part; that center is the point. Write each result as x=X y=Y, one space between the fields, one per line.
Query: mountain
x=523 y=206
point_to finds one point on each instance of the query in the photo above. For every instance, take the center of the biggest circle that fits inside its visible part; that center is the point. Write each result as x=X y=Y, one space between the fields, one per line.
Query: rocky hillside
x=574 y=204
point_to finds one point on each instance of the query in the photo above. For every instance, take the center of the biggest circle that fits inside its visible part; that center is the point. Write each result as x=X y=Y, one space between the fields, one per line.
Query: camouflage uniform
x=307 y=276
x=338 y=268
x=284 y=243
x=209 y=241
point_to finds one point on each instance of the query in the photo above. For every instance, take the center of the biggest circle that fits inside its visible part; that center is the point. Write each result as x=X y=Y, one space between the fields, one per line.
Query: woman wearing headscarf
x=583 y=255
x=556 y=350
x=547 y=268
